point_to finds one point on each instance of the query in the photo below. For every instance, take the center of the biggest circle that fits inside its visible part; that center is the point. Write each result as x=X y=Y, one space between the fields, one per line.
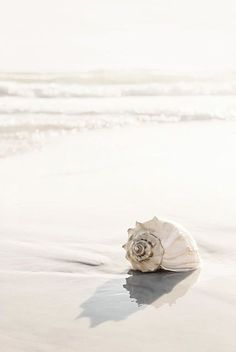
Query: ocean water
x=37 y=107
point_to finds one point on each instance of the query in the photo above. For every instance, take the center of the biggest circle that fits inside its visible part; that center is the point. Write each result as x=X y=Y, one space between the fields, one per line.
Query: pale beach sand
x=64 y=282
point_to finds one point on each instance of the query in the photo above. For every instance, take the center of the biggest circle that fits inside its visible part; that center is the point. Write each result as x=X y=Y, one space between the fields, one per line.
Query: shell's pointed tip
x=138 y=223
x=130 y=231
x=155 y=218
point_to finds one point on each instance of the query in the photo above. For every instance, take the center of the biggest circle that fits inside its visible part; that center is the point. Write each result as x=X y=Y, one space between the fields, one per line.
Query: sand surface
x=64 y=282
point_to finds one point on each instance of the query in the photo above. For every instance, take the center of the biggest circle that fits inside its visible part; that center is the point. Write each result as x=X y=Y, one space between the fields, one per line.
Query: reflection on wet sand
x=116 y=300
x=159 y=288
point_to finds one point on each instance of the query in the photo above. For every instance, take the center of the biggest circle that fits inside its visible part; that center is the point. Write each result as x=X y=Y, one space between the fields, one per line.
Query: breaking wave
x=35 y=106
x=114 y=84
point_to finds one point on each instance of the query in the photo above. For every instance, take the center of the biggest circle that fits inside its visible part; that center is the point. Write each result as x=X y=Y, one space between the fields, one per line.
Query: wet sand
x=64 y=282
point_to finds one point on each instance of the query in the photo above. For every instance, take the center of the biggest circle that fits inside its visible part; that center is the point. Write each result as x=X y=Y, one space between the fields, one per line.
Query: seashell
x=158 y=244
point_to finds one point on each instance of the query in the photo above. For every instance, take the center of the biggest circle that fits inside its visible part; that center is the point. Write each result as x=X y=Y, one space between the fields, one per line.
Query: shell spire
x=158 y=244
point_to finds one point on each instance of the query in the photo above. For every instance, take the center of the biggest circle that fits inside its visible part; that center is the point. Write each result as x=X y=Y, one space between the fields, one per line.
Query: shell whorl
x=141 y=250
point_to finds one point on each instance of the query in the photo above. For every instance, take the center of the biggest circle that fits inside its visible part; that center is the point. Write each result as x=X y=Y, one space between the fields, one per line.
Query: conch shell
x=158 y=244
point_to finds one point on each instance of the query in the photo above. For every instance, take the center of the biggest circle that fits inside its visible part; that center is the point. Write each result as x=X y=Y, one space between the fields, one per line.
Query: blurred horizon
x=75 y=36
